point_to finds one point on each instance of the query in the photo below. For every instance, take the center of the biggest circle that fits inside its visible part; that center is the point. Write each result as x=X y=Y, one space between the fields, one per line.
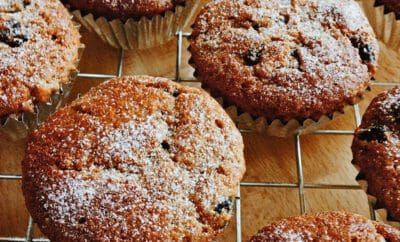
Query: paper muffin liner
x=17 y=126
x=247 y=122
x=386 y=27
x=381 y=214
x=387 y=30
x=140 y=34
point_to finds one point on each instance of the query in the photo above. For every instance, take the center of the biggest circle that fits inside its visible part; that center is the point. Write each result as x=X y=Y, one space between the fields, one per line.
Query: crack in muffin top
x=124 y=9
x=376 y=150
x=136 y=158
x=284 y=59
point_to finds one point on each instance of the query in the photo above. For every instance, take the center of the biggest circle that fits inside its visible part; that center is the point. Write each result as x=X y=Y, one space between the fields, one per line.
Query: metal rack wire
x=300 y=184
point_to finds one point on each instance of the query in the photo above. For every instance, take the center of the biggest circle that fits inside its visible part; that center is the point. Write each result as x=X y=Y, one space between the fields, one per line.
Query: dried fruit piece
x=367 y=54
x=176 y=93
x=375 y=133
x=12 y=34
x=225 y=205
x=165 y=145
x=253 y=56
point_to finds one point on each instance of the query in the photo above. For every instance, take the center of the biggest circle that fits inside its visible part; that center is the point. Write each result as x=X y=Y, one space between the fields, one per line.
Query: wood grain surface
x=326 y=158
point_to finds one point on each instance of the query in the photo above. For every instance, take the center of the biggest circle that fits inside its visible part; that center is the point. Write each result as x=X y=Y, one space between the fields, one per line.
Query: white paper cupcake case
x=387 y=30
x=380 y=213
x=276 y=128
x=17 y=126
x=386 y=27
x=142 y=34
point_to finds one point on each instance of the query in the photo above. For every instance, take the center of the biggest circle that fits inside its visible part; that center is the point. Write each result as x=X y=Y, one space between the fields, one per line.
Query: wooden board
x=326 y=158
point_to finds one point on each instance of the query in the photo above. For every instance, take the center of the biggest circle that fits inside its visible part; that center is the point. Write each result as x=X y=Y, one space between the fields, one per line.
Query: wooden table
x=326 y=159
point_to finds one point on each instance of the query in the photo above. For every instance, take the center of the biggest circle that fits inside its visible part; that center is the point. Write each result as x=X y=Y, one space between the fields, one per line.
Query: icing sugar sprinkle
x=158 y=171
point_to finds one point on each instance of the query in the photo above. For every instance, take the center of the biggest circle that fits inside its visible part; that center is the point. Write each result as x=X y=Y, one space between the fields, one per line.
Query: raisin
x=11 y=34
x=396 y=115
x=355 y=42
x=256 y=27
x=82 y=220
x=395 y=112
x=165 y=145
x=364 y=50
x=375 y=133
x=284 y=18
x=219 y=123
x=175 y=93
x=295 y=54
x=225 y=205
x=253 y=56
x=366 y=53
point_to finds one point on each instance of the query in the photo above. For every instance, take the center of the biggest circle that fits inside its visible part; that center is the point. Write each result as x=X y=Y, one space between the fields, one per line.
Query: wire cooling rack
x=300 y=185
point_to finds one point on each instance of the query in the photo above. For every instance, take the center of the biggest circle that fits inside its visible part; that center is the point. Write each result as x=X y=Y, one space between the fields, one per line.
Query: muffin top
x=390 y=6
x=38 y=49
x=124 y=9
x=284 y=59
x=136 y=158
x=327 y=226
x=376 y=150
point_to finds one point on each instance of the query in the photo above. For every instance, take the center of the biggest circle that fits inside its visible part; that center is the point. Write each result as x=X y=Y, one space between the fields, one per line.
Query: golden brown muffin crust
x=124 y=9
x=376 y=150
x=327 y=226
x=284 y=59
x=38 y=49
x=136 y=158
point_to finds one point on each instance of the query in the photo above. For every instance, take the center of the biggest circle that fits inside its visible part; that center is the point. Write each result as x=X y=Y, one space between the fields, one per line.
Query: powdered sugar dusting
x=31 y=71
x=122 y=143
x=305 y=57
x=376 y=149
x=391 y=104
x=326 y=226
x=135 y=158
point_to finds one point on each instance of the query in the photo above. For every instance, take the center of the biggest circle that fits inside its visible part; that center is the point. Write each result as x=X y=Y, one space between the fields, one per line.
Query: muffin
x=134 y=24
x=39 y=47
x=284 y=60
x=124 y=9
x=327 y=226
x=390 y=6
x=376 y=150
x=136 y=158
